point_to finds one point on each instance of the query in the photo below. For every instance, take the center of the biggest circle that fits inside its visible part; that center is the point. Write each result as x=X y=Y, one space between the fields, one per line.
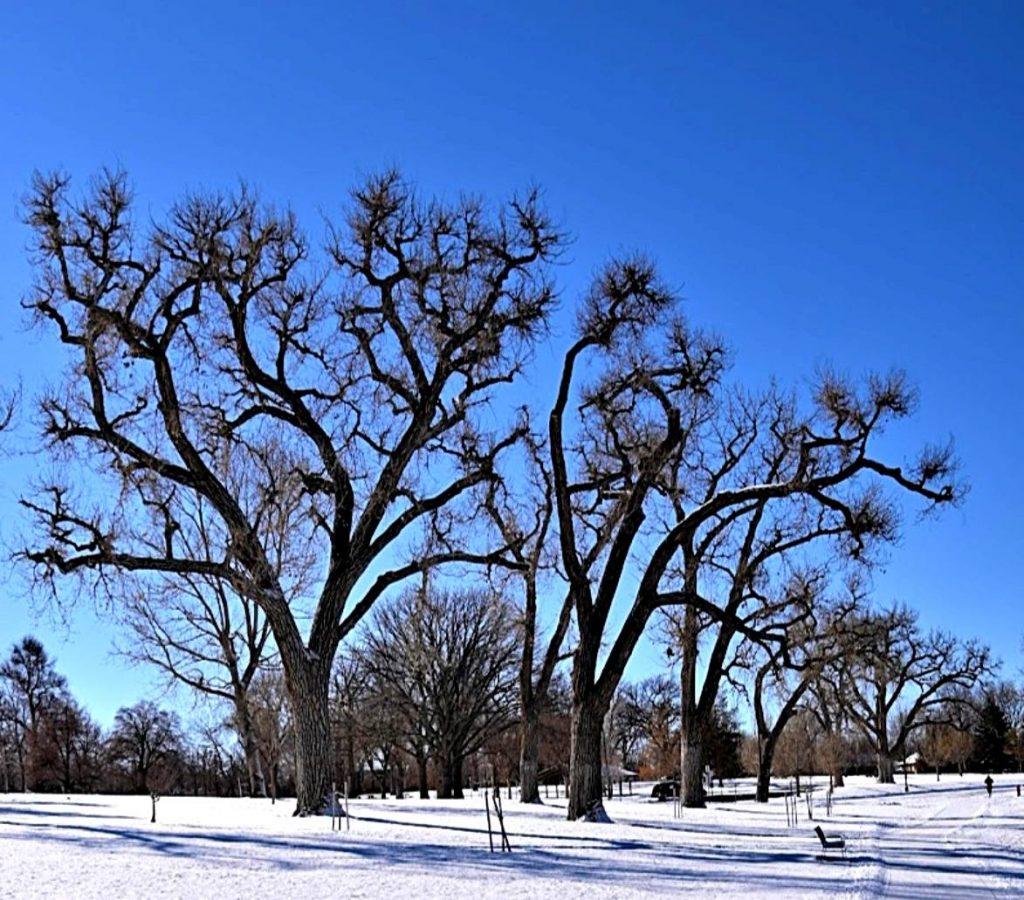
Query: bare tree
x=144 y=737
x=360 y=373
x=12 y=741
x=825 y=701
x=640 y=455
x=943 y=743
x=784 y=674
x=208 y=639
x=197 y=629
x=454 y=655
x=349 y=692
x=67 y=742
x=796 y=748
x=901 y=676
x=32 y=679
x=648 y=723
x=522 y=515
x=9 y=402
x=272 y=727
x=32 y=685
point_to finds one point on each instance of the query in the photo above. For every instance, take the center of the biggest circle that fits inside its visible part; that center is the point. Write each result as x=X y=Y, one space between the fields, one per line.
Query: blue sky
x=825 y=183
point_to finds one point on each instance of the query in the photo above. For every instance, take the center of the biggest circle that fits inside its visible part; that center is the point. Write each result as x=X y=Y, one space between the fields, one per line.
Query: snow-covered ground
x=942 y=840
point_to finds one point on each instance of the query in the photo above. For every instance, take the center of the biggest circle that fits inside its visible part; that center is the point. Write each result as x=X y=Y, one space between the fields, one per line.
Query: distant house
x=914 y=763
x=613 y=772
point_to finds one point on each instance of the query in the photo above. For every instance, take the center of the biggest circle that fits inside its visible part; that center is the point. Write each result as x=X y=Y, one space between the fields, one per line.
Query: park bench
x=830 y=841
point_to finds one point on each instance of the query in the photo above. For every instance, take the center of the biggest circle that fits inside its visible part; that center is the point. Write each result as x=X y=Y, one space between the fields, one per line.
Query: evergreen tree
x=723 y=742
x=990 y=737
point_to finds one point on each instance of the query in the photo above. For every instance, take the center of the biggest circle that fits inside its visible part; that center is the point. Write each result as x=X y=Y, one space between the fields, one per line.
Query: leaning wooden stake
x=487 y=806
x=506 y=847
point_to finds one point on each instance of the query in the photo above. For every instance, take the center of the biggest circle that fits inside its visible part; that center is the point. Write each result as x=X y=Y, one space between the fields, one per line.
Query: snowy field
x=941 y=840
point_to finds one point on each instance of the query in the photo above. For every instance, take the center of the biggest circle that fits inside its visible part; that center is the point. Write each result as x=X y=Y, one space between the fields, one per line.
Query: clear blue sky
x=826 y=182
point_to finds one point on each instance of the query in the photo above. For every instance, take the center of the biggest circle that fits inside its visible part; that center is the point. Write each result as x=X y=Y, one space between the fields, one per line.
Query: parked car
x=665 y=790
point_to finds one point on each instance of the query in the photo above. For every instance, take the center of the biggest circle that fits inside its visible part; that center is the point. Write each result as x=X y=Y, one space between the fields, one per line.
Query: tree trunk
x=307 y=689
x=691 y=726
x=764 y=785
x=529 y=753
x=885 y=769
x=884 y=755
x=253 y=767
x=837 y=778
x=451 y=777
x=691 y=770
x=586 y=799
x=421 y=774
x=765 y=759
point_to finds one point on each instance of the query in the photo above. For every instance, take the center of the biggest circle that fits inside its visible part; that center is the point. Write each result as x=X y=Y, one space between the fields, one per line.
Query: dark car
x=665 y=790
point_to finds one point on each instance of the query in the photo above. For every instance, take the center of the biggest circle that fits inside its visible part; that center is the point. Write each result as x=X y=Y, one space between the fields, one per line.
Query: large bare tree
x=782 y=675
x=646 y=414
x=218 y=333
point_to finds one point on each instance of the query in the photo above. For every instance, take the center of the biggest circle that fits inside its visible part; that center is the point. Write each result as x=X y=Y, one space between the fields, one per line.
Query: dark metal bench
x=830 y=841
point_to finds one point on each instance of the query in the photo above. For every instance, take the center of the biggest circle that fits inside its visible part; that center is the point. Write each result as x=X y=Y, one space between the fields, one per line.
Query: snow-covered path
x=941 y=840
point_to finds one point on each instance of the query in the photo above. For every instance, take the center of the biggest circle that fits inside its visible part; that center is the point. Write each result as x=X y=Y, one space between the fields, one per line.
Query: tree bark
x=691 y=724
x=421 y=770
x=885 y=769
x=451 y=777
x=307 y=689
x=837 y=778
x=764 y=784
x=586 y=797
x=529 y=754
x=691 y=769
x=765 y=759
x=883 y=754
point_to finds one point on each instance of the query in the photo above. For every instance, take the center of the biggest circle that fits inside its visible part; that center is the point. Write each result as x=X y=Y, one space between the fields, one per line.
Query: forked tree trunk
x=586 y=798
x=451 y=777
x=529 y=754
